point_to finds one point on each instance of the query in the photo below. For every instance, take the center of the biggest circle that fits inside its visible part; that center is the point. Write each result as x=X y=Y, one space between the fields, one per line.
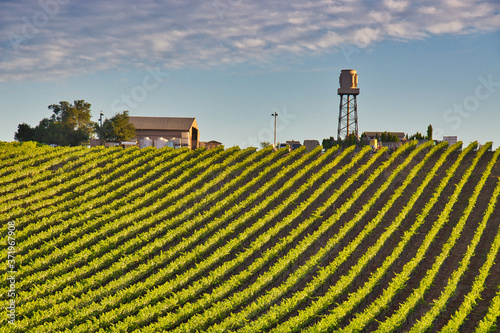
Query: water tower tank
x=348 y=82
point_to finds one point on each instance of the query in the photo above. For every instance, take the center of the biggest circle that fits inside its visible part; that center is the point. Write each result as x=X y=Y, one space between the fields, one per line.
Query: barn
x=184 y=130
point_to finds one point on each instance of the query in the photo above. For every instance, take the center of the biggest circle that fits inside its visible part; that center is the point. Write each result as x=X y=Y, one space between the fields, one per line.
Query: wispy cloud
x=49 y=39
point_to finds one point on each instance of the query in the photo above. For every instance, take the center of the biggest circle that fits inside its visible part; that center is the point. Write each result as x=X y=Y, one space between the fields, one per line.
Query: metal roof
x=163 y=123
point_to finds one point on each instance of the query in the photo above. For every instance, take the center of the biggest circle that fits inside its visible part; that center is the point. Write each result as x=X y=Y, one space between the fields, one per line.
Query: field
x=111 y=239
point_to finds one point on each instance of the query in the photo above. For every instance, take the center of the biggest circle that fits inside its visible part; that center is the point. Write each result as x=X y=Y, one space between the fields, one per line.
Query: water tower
x=348 y=111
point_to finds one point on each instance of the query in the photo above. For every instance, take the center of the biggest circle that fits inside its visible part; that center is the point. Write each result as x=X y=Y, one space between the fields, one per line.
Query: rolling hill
x=151 y=240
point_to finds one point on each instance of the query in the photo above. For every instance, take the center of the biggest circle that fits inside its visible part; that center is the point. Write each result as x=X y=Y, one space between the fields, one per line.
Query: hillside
x=241 y=240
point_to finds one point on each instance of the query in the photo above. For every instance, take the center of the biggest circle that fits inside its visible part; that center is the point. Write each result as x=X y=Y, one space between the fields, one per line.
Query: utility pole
x=275 y=115
x=100 y=126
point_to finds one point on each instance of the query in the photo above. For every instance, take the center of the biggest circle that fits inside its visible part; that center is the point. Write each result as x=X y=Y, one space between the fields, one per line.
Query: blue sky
x=232 y=63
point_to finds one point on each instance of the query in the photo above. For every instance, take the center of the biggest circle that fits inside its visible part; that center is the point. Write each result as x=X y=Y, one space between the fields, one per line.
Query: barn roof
x=163 y=123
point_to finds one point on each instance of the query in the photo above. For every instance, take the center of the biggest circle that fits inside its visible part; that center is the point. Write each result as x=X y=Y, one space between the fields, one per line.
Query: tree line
x=70 y=125
x=352 y=139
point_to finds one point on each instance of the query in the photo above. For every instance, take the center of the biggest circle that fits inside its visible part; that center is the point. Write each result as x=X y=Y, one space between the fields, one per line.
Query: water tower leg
x=348 y=116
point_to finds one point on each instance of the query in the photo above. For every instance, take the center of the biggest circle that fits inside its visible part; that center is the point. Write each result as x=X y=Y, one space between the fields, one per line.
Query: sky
x=233 y=63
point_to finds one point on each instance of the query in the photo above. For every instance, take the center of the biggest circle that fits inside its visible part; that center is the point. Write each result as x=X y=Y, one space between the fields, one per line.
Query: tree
x=429 y=132
x=350 y=140
x=264 y=144
x=364 y=138
x=116 y=129
x=75 y=116
x=69 y=125
x=388 y=137
x=329 y=143
x=24 y=133
x=123 y=129
x=417 y=136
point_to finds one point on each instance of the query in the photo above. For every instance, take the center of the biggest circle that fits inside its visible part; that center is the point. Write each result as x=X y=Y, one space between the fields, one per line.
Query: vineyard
x=153 y=240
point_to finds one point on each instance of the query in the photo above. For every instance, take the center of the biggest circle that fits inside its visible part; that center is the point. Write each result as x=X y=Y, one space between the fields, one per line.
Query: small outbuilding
x=450 y=139
x=311 y=144
x=210 y=144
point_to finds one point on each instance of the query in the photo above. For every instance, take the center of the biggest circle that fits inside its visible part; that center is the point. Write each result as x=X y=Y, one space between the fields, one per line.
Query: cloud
x=396 y=5
x=448 y=27
x=47 y=39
